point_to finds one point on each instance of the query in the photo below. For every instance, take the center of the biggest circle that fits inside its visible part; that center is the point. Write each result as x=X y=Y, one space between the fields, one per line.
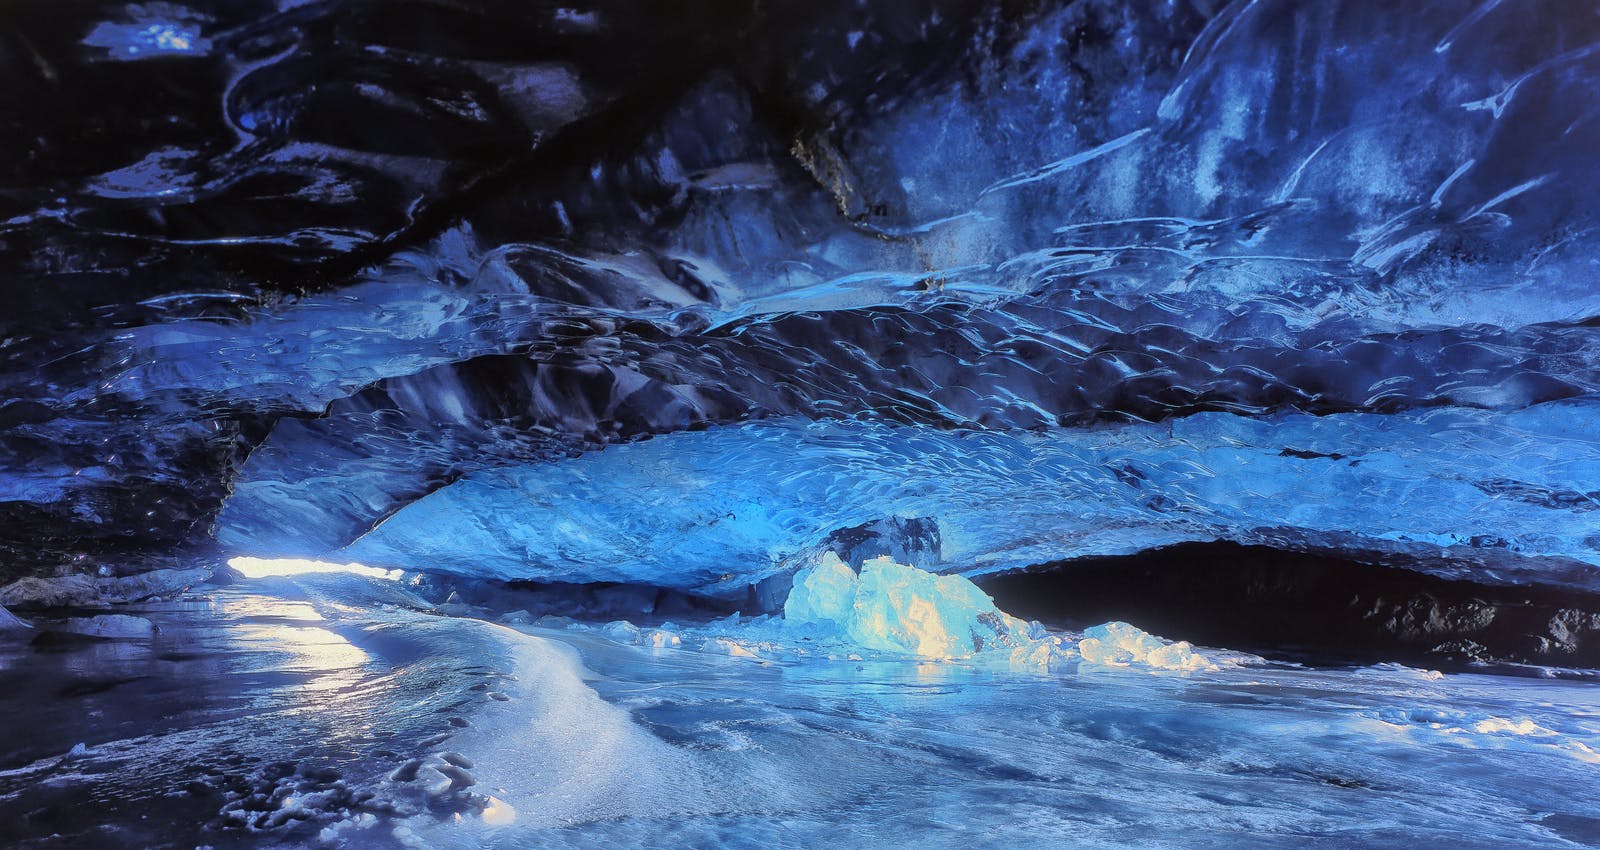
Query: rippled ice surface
x=702 y=750
x=340 y=713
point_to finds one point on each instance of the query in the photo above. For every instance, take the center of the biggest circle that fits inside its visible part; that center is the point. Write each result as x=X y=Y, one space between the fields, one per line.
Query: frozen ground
x=343 y=711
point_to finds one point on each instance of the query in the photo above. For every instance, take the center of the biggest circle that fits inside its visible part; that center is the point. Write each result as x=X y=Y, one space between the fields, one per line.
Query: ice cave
x=774 y=424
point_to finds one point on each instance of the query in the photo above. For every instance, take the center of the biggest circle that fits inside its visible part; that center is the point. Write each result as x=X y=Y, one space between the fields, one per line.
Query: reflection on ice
x=499 y=813
x=341 y=711
x=686 y=748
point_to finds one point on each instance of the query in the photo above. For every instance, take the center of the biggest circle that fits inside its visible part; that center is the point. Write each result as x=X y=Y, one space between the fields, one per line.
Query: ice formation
x=332 y=331
x=1465 y=491
x=1120 y=644
x=633 y=311
x=896 y=611
x=897 y=608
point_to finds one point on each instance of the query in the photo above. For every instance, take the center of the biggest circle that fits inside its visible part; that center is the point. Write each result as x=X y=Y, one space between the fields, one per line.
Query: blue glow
x=147 y=38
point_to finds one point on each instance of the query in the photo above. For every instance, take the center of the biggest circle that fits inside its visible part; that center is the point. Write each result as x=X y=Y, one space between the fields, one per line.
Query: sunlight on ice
x=264 y=567
x=334 y=661
x=499 y=812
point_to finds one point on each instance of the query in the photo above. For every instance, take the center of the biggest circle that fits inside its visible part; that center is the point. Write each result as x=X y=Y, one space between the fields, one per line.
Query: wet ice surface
x=342 y=713
x=253 y=715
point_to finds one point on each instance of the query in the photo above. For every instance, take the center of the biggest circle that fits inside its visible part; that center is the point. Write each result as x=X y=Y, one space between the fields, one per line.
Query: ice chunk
x=621 y=631
x=898 y=608
x=726 y=646
x=519 y=617
x=662 y=638
x=499 y=812
x=1044 y=654
x=109 y=626
x=76 y=589
x=1119 y=644
x=825 y=593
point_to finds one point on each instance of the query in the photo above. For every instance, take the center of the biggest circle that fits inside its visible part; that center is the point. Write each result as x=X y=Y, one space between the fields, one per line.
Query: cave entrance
x=1317 y=608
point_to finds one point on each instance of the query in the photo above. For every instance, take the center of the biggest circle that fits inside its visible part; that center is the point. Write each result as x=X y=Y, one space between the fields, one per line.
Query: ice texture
x=372 y=720
x=683 y=295
x=1119 y=644
x=10 y=622
x=1497 y=496
x=108 y=626
x=899 y=608
x=1309 y=275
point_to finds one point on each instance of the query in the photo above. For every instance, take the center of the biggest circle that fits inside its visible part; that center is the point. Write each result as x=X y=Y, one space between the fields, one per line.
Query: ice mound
x=623 y=631
x=897 y=608
x=1476 y=729
x=893 y=608
x=1119 y=644
x=109 y=626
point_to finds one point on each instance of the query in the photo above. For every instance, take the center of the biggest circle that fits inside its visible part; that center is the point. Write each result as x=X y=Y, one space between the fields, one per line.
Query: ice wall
x=1065 y=278
x=1496 y=496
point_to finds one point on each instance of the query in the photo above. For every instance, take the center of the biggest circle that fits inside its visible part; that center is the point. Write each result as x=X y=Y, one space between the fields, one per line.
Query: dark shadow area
x=1310 y=607
x=641 y=604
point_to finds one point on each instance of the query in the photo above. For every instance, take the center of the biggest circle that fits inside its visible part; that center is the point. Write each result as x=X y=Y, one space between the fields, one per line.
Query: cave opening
x=1312 y=607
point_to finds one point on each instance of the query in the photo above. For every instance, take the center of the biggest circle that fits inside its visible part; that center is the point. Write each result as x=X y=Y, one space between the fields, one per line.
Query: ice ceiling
x=672 y=293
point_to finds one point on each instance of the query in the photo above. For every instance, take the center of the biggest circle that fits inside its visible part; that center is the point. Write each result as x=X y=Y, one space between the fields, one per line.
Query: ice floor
x=338 y=711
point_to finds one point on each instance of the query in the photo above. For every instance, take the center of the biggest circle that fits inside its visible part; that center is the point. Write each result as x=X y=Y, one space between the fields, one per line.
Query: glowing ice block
x=898 y=608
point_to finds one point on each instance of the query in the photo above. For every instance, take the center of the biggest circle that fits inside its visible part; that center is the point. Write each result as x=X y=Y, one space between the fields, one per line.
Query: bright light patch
x=264 y=567
x=499 y=812
x=144 y=39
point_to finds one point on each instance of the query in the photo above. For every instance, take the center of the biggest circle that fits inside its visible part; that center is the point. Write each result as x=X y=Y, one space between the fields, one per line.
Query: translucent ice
x=897 y=608
x=1506 y=493
x=824 y=594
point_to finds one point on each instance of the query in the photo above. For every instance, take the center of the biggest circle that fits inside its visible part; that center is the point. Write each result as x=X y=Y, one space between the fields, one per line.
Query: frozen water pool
x=338 y=711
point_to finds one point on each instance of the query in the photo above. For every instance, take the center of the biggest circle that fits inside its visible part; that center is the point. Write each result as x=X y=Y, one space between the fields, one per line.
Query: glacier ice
x=449 y=731
x=631 y=314
x=898 y=608
x=10 y=622
x=1119 y=644
x=108 y=626
x=631 y=318
x=895 y=608
x=896 y=611
x=1131 y=214
x=1496 y=496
